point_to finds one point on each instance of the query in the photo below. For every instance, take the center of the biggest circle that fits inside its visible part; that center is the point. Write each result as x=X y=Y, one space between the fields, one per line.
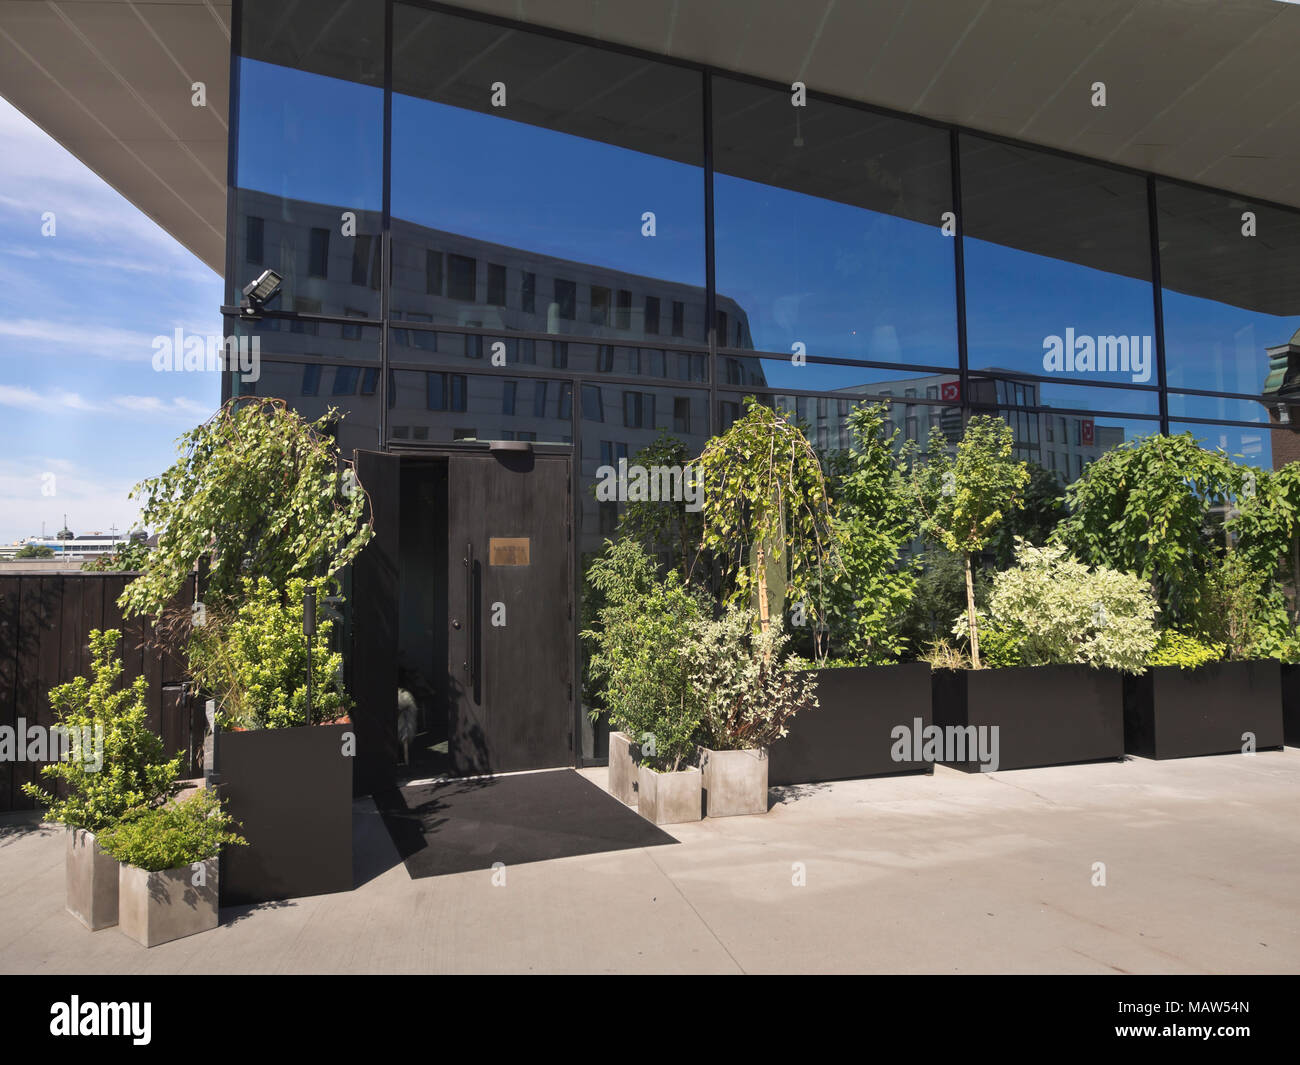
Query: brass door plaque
x=508 y=551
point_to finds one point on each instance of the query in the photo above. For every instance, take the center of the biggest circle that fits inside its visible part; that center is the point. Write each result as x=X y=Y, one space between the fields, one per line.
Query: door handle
x=471 y=619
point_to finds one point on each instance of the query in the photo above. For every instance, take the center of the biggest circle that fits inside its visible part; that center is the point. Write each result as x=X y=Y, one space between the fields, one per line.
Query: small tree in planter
x=168 y=876
x=767 y=517
x=750 y=693
x=638 y=665
x=257 y=490
x=873 y=521
x=962 y=501
x=129 y=771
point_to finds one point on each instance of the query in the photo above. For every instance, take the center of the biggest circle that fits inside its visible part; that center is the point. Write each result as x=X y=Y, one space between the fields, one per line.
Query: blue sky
x=79 y=398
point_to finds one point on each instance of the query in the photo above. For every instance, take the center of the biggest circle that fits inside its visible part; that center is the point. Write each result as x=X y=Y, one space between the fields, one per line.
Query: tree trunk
x=970 y=614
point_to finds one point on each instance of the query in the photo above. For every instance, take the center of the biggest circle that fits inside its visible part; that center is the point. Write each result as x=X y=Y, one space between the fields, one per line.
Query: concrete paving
x=950 y=873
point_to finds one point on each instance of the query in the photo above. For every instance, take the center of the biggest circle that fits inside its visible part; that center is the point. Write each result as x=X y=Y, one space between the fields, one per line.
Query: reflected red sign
x=1087 y=431
x=950 y=391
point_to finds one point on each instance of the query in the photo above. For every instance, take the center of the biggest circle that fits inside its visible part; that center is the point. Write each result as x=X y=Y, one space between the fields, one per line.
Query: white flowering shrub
x=749 y=690
x=1064 y=612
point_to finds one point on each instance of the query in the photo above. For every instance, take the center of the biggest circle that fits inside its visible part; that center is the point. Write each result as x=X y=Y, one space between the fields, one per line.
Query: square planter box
x=291 y=791
x=1045 y=715
x=91 y=878
x=1170 y=712
x=622 y=767
x=159 y=907
x=1291 y=704
x=849 y=734
x=734 y=782
x=669 y=798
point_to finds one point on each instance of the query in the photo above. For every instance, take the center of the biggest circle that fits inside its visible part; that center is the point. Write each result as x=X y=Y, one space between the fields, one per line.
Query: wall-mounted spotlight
x=257 y=294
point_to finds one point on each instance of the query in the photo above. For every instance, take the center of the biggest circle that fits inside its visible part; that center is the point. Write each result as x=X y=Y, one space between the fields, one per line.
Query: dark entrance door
x=511 y=628
x=467 y=583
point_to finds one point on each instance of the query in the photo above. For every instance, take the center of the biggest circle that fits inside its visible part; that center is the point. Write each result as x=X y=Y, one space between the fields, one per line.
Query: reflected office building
x=511 y=257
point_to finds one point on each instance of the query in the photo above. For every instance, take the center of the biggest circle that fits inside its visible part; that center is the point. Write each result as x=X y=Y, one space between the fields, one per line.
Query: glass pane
x=829 y=229
x=309 y=181
x=544 y=186
x=444 y=405
x=1058 y=266
x=1265 y=448
x=1231 y=276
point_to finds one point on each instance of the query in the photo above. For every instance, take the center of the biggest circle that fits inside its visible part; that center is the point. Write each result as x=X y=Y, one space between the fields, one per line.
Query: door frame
x=402 y=449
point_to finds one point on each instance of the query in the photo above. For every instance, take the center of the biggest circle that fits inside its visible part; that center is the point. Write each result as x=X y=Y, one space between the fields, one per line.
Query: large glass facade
x=583 y=246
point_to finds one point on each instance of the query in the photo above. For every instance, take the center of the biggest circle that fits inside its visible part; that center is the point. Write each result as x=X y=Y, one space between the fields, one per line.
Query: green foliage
x=1147 y=507
x=252 y=659
x=1043 y=510
x=130 y=557
x=34 y=551
x=134 y=772
x=961 y=501
x=940 y=595
x=638 y=660
x=873 y=520
x=664 y=526
x=750 y=690
x=256 y=490
x=1267 y=526
x=1179 y=649
x=1064 y=612
x=767 y=516
x=169 y=837
x=1000 y=646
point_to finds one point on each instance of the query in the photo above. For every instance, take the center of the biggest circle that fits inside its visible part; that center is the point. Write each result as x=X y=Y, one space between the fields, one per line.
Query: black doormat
x=456 y=826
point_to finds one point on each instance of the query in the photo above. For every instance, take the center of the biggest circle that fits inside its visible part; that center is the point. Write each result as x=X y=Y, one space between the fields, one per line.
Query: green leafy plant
x=1064 y=612
x=664 y=526
x=253 y=660
x=1042 y=510
x=1148 y=507
x=169 y=837
x=767 y=516
x=131 y=772
x=939 y=596
x=1179 y=649
x=873 y=520
x=130 y=556
x=638 y=660
x=256 y=490
x=750 y=691
x=961 y=501
x=34 y=551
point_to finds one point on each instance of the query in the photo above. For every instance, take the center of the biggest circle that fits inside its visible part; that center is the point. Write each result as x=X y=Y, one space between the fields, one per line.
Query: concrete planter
x=91 y=875
x=850 y=734
x=171 y=904
x=734 y=782
x=622 y=768
x=1171 y=712
x=669 y=798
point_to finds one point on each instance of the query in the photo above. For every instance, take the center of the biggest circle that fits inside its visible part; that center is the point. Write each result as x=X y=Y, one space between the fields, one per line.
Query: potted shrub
x=638 y=666
x=1064 y=635
x=749 y=694
x=284 y=769
x=114 y=765
x=168 y=874
x=863 y=692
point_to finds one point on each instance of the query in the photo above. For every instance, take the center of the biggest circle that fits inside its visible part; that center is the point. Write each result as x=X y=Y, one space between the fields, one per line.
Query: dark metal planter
x=1291 y=704
x=1170 y=712
x=1045 y=715
x=849 y=734
x=291 y=790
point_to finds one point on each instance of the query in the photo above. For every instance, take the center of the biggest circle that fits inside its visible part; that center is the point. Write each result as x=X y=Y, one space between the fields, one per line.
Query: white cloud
x=177 y=408
x=90 y=500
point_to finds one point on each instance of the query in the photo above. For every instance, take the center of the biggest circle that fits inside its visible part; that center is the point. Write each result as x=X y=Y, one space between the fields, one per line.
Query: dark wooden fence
x=45 y=624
